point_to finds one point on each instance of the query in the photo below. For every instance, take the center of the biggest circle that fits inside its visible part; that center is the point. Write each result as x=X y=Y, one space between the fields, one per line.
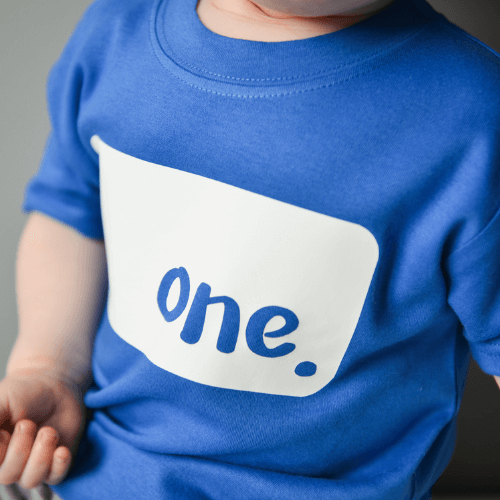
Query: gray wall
x=32 y=35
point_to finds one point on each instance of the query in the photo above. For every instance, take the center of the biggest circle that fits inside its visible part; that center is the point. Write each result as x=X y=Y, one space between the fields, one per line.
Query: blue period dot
x=305 y=369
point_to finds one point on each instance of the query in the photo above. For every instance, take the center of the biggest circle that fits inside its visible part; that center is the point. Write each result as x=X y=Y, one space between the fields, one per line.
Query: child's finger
x=60 y=465
x=18 y=452
x=4 y=444
x=40 y=459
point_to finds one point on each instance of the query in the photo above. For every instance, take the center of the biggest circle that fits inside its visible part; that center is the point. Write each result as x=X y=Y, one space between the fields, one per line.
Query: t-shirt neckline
x=247 y=68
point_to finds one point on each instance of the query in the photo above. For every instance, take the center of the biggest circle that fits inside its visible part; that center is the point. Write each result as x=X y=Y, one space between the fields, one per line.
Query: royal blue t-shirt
x=303 y=250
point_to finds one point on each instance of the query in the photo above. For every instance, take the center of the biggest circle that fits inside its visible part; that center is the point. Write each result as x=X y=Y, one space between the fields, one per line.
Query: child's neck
x=244 y=20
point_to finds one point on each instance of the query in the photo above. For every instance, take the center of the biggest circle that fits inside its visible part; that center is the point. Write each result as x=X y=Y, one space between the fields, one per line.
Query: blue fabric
x=392 y=125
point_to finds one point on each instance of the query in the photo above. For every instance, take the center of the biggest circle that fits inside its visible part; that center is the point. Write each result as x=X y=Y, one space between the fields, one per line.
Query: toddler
x=262 y=249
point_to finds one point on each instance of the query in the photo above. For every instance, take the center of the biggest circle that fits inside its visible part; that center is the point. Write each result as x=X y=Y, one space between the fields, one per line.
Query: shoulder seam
x=460 y=31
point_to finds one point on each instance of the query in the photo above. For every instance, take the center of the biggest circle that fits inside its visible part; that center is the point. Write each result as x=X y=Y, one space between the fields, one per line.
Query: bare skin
x=283 y=20
x=42 y=418
x=61 y=286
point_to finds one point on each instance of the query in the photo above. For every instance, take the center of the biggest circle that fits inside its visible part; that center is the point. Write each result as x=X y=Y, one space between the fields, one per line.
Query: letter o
x=163 y=291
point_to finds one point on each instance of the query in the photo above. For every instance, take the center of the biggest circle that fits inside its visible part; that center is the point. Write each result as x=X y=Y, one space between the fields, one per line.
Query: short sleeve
x=474 y=294
x=66 y=184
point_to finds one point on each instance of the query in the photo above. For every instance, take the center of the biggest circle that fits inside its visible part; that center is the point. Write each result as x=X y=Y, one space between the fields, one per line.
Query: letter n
x=193 y=327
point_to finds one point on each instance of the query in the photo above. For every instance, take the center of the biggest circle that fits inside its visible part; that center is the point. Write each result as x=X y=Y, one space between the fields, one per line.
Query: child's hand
x=47 y=416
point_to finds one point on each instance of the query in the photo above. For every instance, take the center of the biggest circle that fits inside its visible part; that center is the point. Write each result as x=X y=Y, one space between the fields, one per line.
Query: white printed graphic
x=262 y=255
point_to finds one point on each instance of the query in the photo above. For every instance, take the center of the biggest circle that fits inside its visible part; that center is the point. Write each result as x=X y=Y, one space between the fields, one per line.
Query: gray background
x=32 y=35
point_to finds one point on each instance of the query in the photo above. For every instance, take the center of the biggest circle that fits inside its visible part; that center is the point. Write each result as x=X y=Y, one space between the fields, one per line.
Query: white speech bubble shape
x=258 y=251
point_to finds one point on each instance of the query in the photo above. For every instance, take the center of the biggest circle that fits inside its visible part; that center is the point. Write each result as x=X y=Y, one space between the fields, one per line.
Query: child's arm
x=61 y=285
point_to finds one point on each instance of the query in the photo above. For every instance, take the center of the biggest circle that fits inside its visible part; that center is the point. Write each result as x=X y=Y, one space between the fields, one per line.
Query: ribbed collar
x=204 y=58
